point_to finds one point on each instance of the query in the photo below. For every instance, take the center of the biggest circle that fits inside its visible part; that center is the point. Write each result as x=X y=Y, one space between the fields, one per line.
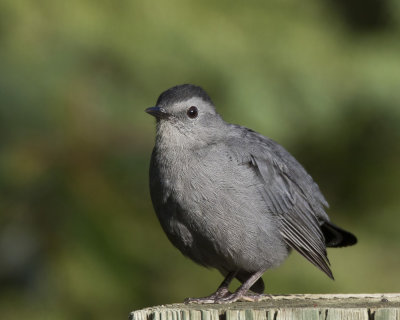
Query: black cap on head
x=181 y=93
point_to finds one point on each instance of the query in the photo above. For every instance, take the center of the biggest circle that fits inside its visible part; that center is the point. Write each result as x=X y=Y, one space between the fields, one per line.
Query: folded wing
x=289 y=193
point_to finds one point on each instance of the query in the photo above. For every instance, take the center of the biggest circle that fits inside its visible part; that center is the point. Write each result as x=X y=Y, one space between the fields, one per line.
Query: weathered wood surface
x=285 y=307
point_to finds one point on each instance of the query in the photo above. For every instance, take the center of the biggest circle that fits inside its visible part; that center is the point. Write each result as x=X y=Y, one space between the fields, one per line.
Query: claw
x=237 y=296
x=221 y=293
x=199 y=300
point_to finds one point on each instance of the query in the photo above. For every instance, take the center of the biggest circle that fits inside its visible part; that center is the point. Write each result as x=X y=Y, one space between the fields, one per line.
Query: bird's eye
x=192 y=112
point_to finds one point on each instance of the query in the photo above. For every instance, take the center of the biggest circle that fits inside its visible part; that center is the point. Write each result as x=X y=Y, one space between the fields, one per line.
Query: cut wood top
x=299 y=306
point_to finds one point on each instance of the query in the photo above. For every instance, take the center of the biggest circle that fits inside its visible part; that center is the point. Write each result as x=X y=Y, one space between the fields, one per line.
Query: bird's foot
x=224 y=297
x=221 y=293
x=233 y=297
x=253 y=297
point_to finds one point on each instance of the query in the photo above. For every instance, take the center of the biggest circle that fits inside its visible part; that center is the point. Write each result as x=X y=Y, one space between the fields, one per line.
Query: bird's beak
x=158 y=112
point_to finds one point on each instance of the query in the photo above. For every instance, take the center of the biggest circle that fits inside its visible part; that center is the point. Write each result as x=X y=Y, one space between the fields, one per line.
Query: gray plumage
x=229 y=198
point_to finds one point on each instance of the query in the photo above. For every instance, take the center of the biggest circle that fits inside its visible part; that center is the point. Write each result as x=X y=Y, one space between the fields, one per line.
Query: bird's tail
x=336 y=237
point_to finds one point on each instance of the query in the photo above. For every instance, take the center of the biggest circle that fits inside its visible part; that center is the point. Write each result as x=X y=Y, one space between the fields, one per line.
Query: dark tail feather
x=257 y=287
x=336 y=237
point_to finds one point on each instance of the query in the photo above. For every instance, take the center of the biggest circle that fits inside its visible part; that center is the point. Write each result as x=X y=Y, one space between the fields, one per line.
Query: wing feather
x=290 y=194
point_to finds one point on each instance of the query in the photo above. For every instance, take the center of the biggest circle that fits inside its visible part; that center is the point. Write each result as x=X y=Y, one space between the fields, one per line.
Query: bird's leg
x=223 y=288
x=242 y=290
x=221 y=292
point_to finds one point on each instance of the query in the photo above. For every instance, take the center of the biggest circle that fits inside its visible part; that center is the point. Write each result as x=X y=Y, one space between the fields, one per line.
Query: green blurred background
x=78 y=235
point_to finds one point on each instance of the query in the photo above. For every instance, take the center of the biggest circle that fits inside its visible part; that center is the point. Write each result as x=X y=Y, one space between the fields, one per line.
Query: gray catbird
x=229 y=198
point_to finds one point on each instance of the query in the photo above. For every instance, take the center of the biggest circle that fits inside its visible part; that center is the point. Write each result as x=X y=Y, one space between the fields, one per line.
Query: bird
x=232 y=199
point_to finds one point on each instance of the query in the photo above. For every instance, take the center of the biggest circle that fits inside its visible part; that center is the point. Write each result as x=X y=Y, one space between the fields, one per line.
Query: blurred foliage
x=78 y=236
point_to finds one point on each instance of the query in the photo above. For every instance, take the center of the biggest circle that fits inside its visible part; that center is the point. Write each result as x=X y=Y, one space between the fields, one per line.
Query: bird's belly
x=222 y=227
x=216 y=214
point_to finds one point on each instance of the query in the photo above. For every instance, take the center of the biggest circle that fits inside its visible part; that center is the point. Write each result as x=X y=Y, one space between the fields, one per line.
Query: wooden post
x=285 y=307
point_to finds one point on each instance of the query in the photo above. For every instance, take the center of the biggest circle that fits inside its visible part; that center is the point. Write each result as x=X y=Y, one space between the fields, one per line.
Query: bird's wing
x=289 y=193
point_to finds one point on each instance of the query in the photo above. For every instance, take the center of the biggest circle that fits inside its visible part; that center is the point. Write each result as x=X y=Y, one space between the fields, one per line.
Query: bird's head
x=186 y=115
